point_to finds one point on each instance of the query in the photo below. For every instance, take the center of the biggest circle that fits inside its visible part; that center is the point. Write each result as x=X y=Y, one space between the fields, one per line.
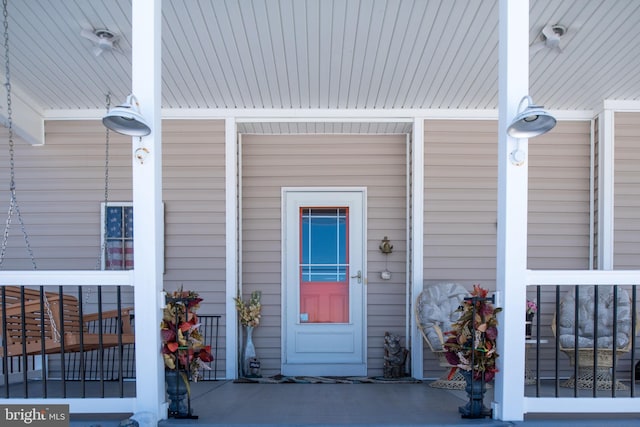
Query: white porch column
x=148 y=218
x=512 y=212
x=605 y=189
x=417 y=240
x=231 y=230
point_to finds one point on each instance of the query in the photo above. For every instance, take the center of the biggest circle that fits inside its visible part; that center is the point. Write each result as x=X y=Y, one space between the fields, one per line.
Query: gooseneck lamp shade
x=531 y=122
x=126 y=119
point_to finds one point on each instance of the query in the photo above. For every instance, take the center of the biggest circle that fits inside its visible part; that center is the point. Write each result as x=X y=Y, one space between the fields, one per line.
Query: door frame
x=284 y=289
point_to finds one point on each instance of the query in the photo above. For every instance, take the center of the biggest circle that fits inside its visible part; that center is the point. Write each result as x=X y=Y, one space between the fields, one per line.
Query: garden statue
x=395 y=356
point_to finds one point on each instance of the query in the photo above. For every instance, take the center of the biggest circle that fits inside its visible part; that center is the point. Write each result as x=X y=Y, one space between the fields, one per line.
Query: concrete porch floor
x=224 y=403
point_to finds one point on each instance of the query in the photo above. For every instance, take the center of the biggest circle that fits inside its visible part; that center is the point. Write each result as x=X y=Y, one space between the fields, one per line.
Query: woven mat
x=281 y=379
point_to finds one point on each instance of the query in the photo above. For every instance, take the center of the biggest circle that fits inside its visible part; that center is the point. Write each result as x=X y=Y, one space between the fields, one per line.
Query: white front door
x=324 y=282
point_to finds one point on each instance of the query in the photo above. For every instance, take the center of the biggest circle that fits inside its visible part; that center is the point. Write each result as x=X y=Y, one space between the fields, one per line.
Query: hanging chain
x=5 y=237
x=103 y=246
x=13 y=204
x=104 y=254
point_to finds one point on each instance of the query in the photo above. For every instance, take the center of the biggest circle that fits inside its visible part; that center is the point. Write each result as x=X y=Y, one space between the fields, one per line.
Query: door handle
x=358 y=276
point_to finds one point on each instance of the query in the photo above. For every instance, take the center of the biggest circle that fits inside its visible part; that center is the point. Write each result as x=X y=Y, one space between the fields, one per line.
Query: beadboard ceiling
x=324 y=54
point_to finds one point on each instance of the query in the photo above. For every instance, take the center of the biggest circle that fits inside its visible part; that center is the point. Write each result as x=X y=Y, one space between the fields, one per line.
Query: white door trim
x=308 y=369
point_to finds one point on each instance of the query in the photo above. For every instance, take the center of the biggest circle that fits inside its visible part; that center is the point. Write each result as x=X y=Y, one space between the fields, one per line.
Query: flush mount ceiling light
x=550 y=38
x=104 y=40
x=531 y=122
x=126 y=119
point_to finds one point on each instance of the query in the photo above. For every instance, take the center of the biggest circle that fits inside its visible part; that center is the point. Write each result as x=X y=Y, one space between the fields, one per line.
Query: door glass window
x=324 y=265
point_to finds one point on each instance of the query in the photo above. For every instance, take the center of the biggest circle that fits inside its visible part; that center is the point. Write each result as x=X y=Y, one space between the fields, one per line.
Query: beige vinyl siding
x=627 y=191
x=60 y=187
x=559 y=191
x=626 y=210
x=194 y=203
x=558 y=238
x=270 y=162
x=460 y=200
x=460 y=217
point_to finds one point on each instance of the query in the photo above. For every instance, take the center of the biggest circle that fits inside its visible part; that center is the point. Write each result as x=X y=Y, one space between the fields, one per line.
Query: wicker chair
x=435 y=312
x=586 y=332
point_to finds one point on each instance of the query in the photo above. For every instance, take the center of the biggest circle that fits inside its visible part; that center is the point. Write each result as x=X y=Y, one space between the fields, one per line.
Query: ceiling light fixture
x=550 y=38
x=126 y=119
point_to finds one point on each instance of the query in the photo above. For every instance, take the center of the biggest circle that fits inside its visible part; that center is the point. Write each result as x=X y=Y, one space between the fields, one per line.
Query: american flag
x=119 y=238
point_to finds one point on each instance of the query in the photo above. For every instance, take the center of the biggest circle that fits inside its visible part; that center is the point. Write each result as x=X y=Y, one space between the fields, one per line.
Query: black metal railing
x=64 y=342
x=584 y=342
x=210 y=329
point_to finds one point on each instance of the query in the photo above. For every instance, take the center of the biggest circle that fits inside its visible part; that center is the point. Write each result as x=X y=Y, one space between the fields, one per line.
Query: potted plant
x=471 y=348
x=183 y=349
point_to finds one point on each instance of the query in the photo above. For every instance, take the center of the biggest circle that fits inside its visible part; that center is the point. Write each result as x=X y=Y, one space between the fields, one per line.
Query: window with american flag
x=117 y=236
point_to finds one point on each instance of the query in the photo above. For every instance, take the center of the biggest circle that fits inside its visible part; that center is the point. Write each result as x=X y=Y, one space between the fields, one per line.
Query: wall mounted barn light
x=126 y=119
x=529 y=123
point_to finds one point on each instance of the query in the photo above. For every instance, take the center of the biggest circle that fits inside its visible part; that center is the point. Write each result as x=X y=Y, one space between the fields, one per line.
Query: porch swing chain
x=103 y=247
x=13 y=204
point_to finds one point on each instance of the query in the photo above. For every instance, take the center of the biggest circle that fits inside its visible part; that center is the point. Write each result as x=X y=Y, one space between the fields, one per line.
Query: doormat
x=282 y=379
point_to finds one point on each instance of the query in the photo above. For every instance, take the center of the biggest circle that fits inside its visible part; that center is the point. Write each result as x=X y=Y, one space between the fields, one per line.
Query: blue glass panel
x=128 y=221
x=342 y=229
x=324 y=240
x=305 y=239
x=323 y=245
x=114 y=222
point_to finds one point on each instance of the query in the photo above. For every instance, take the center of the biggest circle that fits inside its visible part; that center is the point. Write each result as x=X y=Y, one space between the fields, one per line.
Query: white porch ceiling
x=323 y=54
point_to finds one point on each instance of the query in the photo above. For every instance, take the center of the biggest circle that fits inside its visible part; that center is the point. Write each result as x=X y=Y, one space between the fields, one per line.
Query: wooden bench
x=27 y=328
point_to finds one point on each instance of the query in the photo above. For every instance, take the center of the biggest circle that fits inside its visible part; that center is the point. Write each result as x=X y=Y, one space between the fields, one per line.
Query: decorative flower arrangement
x=480 y=332
x=532 y=307
x=249 y=312
x=182 y=343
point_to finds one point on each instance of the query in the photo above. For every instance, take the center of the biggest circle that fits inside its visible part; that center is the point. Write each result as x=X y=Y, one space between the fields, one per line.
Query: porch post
x=605 y=188
x=417 y=241
x=148 y=218
x=232 y=235
x=512 y=212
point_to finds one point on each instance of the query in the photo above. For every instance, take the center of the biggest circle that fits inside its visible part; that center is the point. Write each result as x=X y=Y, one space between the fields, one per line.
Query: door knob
x=358 y=276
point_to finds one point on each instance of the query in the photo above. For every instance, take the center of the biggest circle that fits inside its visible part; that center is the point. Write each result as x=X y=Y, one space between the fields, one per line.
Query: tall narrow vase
x=475 y=390
x=249 y=351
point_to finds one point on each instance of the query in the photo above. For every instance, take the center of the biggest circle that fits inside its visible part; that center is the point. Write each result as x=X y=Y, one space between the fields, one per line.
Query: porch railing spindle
x=557 y=344
x=614 y=344
x=634 y=319
x=118 y=330
x=100 y=343
x=23 y=329
x=63 y=370
x=595 y=341
x=42 y=343
x=81 y=353
x=539 y=301
x=5 y=357
x=575 y=341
